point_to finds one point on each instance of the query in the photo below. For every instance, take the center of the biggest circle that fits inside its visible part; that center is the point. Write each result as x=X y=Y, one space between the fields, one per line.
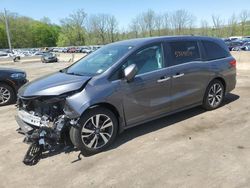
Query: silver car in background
x=122 y=85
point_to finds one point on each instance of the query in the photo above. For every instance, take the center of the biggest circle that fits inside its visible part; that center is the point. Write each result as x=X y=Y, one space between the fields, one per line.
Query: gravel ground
x=193 y=148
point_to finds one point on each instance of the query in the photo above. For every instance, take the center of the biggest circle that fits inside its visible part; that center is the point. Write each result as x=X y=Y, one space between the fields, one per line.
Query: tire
x=90 y=138
x=72 y=135
x=214 y=95
x=6 y=91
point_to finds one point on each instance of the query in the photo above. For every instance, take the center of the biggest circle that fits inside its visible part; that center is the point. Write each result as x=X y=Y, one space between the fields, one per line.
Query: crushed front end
x=44 y=123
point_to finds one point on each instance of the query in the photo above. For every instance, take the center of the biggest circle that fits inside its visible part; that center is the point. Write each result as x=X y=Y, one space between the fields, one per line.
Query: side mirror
x=130 y=72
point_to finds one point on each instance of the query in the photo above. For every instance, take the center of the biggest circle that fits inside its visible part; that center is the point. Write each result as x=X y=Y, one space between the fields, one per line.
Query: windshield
x=99 y=61
x=49 y=54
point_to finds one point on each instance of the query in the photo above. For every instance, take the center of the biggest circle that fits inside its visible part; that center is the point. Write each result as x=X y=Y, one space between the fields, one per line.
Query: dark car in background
x=10 y=81
x=65 y=50
x=234 y=45
x=125 y=84
x=49 y=58
x=237 y=44
x=72 y=50
x=246 y=46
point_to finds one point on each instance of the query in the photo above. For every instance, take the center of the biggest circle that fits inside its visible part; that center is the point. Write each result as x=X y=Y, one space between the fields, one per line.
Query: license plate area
x=29 y=118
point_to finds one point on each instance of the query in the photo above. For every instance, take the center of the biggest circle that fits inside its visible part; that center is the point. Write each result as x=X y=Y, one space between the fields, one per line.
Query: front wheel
x=214 y=95
x=96 y=131
x=7 y=95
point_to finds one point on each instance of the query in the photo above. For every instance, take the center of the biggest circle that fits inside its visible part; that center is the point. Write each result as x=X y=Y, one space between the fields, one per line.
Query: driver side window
x=147 y=60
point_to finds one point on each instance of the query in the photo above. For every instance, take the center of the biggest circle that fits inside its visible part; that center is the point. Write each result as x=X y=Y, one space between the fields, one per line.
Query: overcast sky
x=123 y=10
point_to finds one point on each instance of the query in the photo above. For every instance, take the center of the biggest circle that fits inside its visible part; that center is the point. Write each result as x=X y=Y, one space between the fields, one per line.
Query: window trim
x=161 y=43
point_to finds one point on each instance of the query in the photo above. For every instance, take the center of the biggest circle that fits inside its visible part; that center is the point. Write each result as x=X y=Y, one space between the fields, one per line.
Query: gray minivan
x=122 y=85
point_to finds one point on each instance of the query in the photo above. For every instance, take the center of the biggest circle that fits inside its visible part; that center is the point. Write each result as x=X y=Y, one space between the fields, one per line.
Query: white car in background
x=3 y=54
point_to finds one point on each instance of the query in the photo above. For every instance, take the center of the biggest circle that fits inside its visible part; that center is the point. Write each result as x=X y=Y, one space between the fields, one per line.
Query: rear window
x=214 y=51
x=184 y=51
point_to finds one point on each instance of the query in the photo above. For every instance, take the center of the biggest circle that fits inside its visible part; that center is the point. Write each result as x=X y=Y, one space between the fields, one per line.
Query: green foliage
x=3 y=38
x=79 y=29
x=44 y=35
x=26 y=32
x=73 y=31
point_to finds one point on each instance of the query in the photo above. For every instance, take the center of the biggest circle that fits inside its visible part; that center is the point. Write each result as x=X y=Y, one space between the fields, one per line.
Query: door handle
x=178 y=75
x=163 y=79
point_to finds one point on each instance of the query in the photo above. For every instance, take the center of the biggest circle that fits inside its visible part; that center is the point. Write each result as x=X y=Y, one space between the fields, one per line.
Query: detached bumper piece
x=41 y=140
x=33 y=154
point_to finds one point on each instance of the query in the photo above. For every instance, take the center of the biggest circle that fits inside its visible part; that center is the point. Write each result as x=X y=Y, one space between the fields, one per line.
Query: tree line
x=26 y=32
x=80 y=29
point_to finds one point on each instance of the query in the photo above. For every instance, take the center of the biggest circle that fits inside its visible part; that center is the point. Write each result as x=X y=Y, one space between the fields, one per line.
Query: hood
x=9 y=70
x=53 y=85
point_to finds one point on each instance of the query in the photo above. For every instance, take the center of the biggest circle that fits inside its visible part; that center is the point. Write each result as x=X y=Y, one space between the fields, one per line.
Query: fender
x=90 y=96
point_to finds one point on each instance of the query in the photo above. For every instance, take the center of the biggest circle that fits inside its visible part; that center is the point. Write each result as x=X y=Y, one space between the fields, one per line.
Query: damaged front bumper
x=44 y=124
x=44 y=137
x=24 y=128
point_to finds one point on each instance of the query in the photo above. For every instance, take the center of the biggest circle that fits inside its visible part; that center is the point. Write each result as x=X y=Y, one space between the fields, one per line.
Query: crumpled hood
x=53 y=85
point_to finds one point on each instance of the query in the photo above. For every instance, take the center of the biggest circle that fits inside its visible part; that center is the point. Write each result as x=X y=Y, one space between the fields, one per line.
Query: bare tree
x=73 y=27
x=191 y=24
x=135 y=27
x=104 y=26
x=159 y=24
x=149 y=20
x=204 y=28
x=232 y=25
x=181 y=20
x=166 y=23
x=139 y=25
x=99 y=26
x=217 y=24
x=112 y=27
x=144 y=24
x=244 y=16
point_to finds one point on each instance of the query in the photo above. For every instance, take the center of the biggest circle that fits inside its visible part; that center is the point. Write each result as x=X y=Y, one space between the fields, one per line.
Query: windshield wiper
x=73 y=73
x=63 y=70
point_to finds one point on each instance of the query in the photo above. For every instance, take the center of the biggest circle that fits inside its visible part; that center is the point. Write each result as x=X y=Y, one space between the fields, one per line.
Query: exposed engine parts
x=45 y=126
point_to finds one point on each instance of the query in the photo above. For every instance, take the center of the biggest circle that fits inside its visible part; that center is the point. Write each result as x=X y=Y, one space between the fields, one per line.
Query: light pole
x=7 y=29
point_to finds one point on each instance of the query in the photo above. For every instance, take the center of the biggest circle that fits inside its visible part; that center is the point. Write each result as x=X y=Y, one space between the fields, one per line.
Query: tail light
x=233 y=63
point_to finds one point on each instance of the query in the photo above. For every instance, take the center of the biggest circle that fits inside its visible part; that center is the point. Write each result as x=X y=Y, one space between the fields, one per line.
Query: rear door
x=189 y=73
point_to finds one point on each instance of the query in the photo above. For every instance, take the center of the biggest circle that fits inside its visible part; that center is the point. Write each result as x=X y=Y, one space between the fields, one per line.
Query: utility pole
x=7 y=29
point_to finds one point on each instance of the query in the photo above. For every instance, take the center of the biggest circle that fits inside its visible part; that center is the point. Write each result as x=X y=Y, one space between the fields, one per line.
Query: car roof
x=143 y=41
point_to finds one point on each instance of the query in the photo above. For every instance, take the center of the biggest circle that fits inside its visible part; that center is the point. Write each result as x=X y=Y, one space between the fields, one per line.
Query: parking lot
x=194 y=148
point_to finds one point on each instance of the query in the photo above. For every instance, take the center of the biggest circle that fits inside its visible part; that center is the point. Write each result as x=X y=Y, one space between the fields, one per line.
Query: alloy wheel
x=97 y=131
x=215 y=95
x=4 y=95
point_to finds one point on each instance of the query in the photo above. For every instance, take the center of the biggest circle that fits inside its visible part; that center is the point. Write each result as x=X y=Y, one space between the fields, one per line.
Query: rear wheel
x=97 y=130
x=7 y=95
x=214 y=95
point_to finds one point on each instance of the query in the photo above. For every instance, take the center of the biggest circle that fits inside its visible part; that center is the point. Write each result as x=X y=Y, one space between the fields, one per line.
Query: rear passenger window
x=184 y=51
x=214 y=51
